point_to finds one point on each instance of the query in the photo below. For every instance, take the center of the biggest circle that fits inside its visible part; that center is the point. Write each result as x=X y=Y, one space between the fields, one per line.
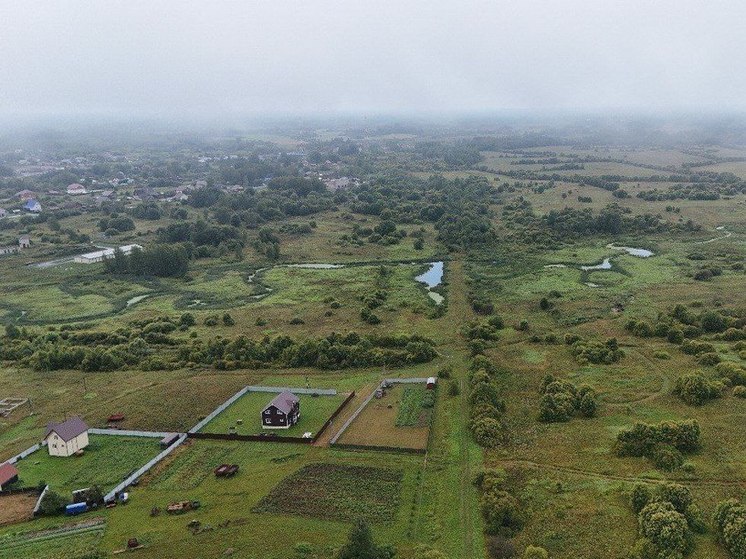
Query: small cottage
x=8 y=475
x=32 y=205
x=282 y=412
x=24 y=241
x=431 y=382
x=66 y=438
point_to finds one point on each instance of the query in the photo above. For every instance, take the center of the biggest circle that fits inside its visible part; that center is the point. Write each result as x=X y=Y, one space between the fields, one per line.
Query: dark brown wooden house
x=282 y=412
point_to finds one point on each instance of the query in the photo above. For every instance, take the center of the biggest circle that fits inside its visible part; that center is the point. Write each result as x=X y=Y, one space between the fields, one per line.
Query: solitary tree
x=360 y=545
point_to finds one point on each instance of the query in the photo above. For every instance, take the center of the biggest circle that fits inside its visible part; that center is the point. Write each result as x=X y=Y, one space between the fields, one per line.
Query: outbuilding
x=282 y=412
x=431 y=382
x=8 y=475
x=66 y=438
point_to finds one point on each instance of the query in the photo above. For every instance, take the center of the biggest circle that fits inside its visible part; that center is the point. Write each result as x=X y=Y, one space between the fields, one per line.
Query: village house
x=8 y=475
x=32 y=205
x=3 y=212
x=24 y=241
x=66 y=438
x=76 y=188
x=282 y=412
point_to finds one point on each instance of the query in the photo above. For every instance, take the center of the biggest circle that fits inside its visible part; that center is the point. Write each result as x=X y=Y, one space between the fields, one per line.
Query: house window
x=266 y=420
x=266 y=412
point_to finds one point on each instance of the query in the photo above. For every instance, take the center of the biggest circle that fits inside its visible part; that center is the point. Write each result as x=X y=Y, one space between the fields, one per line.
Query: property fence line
x=321 y=391
x=145 y=469
x=127 y=433
x=218 y=410
x=253 y=388
x=21 y=455
x=37 y=506
x=360 y=409
x=401 y=449
x=268 y=438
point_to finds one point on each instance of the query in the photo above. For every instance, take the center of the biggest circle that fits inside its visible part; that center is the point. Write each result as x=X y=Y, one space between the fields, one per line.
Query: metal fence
x=360 y=409
x=273 y=389
x=40 y=499
x=25 y=453
x=145 y=469
x=126 y=433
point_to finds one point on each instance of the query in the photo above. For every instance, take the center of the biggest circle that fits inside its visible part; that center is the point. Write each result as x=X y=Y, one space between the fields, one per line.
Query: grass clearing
x=106 y=461
x=314 y=411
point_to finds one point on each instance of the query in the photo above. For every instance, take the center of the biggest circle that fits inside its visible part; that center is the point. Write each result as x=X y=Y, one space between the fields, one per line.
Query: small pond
x=641 y=252
x=605 y=265
x=432 y=278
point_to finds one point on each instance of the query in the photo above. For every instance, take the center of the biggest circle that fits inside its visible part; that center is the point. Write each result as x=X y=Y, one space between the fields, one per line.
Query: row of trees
x=160 y=260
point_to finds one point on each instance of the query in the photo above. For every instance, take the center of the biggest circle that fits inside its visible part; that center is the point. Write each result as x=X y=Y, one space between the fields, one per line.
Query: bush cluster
x=664 y=443
x=486 y=405
x=666 y=521
x=593 y=351
x=561 y=400
x=730 y=525
x=694 y=389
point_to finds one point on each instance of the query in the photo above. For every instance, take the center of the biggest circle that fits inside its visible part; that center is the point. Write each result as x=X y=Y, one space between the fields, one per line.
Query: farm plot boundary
x=196 y=434
x=367 y=400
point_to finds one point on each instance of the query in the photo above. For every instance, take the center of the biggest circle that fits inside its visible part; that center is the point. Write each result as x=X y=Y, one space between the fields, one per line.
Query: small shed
x=8 y=475
x=431 y=382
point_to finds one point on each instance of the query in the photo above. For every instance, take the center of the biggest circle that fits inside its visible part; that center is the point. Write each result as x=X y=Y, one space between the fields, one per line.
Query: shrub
x=665 y=528
x=730 y=525
x=453 y=388
x=52 y=504
x=228 y=320
x=501 y=512
x=739 y=391
x=499 y=547
x=709 y=359
x=643 y=439
x=640 y=497
x=665 y=457
x=694 y=389
x=533 y=552
x=487 y=432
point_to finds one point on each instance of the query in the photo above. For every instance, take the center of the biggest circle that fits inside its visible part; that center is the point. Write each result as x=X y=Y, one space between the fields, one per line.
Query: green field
x=314 y=411
x=106 y=461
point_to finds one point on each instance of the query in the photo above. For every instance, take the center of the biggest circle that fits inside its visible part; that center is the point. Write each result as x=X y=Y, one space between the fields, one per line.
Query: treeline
x=158 y=260
x=150 y=345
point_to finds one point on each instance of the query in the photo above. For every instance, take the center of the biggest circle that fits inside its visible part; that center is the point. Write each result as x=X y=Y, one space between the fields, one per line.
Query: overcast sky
x=186 y=57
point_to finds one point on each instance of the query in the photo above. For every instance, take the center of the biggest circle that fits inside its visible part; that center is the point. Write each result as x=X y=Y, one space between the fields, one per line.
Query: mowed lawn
x=107 y=460
x=314 y=411
x=376 y=424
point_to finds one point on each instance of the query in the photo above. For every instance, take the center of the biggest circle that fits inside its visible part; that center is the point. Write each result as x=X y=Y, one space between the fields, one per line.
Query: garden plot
x=337 y=492
x=106 y=461
x=243 y=417
x=399 y=419
x=17 y=507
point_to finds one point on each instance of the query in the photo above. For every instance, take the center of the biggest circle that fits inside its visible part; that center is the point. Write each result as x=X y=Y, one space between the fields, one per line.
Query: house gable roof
x=67 y=430
x=7 y=472
x=284 y=401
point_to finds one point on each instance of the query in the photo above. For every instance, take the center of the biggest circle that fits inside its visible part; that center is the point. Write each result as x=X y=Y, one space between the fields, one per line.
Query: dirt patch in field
x=17 y=508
